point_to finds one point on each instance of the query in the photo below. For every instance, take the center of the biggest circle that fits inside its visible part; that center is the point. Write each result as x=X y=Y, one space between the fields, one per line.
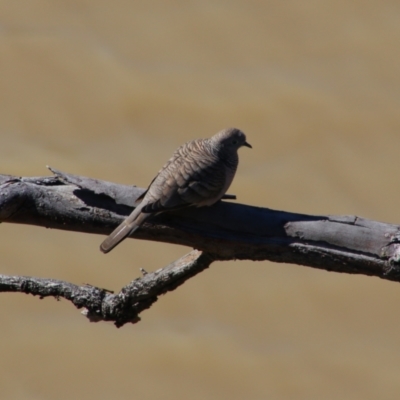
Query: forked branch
x=103 y=305
x=224 y=231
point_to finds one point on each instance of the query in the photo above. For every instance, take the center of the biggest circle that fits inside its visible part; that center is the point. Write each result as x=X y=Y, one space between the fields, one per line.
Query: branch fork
x=224 y=231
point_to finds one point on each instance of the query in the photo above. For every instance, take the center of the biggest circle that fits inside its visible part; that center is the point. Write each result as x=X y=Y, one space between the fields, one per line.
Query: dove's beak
x=247 y=145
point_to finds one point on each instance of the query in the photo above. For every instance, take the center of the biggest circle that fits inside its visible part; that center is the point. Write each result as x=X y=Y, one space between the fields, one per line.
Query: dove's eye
x=234 y=142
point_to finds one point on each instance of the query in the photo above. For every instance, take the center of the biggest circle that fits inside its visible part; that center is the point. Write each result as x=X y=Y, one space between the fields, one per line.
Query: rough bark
x=101 y=304
x=224 y=231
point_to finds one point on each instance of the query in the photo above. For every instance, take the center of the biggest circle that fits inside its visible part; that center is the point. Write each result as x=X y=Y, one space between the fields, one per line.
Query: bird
x=198 y=174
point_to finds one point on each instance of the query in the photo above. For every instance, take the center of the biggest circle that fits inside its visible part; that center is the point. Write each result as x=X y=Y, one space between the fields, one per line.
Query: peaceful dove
x=198 y=174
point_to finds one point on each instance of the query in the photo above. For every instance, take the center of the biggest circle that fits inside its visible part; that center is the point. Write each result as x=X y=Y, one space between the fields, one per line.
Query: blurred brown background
x=109 y=90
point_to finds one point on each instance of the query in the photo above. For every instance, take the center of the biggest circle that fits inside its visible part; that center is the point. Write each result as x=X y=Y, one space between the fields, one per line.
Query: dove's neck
x=228 y=156
x=230 y=159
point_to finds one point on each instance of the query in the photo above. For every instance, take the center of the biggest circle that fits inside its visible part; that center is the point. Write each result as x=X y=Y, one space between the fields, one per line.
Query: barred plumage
x=198 y=174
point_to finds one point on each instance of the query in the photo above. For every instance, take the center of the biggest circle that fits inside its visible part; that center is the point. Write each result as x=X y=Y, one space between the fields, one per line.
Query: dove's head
x=230 y=139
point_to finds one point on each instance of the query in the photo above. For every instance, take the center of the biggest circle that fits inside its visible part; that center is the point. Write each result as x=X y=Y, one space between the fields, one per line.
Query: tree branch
x=101 y=304
x=224 y=231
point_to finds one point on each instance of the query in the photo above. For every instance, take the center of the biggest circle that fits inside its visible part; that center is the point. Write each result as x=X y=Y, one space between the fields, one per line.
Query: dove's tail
x=127 y=227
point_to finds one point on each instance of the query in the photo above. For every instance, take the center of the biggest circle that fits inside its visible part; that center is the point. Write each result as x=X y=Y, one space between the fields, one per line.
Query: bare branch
x=225 y=231
x=102 y=305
